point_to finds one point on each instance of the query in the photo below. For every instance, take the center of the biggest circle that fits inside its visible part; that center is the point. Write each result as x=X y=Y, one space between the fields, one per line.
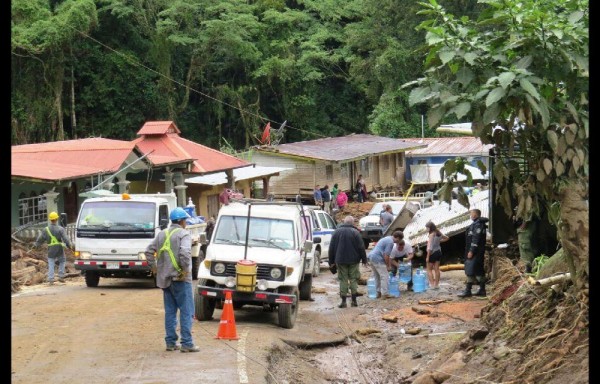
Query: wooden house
x=336 y=160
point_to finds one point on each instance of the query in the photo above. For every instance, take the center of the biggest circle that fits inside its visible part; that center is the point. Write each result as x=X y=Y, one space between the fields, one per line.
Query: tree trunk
x=574 y=231
x=73 y=118
x=59 y=73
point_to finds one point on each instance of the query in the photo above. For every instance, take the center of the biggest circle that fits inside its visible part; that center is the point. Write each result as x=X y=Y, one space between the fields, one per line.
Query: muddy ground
x=380 y=341
x=396 y=340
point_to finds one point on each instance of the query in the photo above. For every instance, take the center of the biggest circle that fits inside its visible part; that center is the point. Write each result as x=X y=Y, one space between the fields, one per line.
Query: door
x=70 y=200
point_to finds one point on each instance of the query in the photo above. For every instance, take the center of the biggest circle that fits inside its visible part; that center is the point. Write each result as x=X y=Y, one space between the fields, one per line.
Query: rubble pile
x=29 y=265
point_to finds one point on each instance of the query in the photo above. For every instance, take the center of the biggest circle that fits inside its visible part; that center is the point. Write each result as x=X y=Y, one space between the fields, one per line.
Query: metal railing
x=32 y=209
x=29 y=233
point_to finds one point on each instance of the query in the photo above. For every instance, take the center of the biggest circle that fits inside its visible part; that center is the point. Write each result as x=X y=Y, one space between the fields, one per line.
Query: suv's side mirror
x=308 y=244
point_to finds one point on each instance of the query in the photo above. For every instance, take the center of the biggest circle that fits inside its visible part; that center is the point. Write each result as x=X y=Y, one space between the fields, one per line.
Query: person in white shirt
x=401 y=251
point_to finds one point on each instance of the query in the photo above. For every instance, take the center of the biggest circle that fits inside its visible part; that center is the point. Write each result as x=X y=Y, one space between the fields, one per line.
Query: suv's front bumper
x=256 y=296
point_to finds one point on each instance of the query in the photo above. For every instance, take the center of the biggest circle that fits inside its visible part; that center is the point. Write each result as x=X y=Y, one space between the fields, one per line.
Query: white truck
x=113 y=231
x=274 y=238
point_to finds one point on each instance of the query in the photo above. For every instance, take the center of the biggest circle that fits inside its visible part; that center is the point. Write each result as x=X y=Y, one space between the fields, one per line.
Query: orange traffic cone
x=227 y=326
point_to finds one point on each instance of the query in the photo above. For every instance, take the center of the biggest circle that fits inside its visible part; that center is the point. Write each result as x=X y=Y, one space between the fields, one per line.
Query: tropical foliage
x=520 y=72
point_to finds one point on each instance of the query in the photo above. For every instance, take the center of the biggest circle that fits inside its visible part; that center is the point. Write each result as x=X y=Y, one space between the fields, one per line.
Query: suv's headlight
x=275 y=273
x=219 y=268
x=362 y=225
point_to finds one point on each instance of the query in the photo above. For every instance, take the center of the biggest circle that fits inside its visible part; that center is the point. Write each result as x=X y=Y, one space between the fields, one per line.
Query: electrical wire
x=135 y=62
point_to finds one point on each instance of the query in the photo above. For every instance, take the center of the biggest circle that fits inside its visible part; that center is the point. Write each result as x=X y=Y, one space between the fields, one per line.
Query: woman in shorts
x=434 y=254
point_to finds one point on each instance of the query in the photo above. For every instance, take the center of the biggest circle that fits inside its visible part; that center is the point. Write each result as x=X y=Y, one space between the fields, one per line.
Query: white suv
x=277 y=237
x=370 y=228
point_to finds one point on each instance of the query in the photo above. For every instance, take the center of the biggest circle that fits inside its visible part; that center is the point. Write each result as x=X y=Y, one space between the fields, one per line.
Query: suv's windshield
x=272 y=233
x=111 y=214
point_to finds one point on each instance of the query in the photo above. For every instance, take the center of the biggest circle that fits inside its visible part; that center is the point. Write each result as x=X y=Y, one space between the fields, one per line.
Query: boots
x=343 y=303
x=467 y=291
x=481 y=291
x=354 y=303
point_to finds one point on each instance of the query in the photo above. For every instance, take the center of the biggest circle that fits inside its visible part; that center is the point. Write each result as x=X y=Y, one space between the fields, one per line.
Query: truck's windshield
x=112 y=214
x=264 y=232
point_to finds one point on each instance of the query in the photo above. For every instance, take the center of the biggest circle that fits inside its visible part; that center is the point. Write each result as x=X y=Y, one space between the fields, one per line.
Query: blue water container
x=371 y=289
x=404 y=272
x=394 y=289
x=419 y=281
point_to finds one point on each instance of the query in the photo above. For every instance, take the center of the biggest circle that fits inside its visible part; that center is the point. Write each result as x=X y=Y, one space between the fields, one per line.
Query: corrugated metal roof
x=158 y=128
x=69 y=159
x=171 y=148
x=344 y=148
x=449 y=219
x=450 y=146
x=50 y=171
x=245 y=173
x=88 y=144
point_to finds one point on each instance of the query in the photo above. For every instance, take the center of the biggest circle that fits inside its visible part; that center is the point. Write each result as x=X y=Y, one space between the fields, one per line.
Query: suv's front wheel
x=287 y=312
x=203 y=306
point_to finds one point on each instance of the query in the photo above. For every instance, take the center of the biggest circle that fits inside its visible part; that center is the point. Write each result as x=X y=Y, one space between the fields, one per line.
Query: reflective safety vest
x=53 y=239
x=167 y=247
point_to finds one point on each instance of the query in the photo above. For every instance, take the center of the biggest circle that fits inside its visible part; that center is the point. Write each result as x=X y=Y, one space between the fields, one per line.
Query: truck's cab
x=275 y=238
x=112 y=233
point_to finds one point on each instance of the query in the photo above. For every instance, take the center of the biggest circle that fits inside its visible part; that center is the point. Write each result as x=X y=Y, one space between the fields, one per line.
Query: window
x=326 y=221
x=270 y=233
x=32 y=209
x=422 y=162
x=364 y=167
x=329 y=172
x=385 y=161
x=344 y=170
x=109 y=214
x=400 y=159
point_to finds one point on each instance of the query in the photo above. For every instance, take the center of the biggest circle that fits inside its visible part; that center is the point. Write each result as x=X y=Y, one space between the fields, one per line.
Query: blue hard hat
x=178 y=214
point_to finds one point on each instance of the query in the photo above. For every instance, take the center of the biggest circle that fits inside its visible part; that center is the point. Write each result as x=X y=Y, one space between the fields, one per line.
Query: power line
x=135 y=62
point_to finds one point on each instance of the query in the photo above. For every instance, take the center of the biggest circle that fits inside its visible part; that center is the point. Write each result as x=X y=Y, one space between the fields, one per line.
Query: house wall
x=202 y=195
x=386 y=172
x=302 y=175
x=306 y=173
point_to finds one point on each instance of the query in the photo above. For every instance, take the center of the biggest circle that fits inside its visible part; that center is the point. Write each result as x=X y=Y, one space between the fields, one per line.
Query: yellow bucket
x=245 y=275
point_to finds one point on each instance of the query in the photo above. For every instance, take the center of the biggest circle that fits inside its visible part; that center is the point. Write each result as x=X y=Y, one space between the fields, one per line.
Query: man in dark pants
x=474 y=254
x=346 y=251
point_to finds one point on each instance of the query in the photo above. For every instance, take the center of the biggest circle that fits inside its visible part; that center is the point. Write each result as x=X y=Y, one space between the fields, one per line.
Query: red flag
x=266 y=136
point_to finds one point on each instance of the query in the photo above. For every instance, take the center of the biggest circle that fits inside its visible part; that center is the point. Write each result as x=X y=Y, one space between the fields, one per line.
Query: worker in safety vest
x=56 y=238
x=170 y=256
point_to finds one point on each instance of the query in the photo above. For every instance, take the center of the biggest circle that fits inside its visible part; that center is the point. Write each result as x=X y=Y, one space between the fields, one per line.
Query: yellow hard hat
x=53 y=216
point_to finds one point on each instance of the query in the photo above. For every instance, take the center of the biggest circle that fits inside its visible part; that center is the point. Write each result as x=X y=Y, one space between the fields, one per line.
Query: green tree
x=520 y=73
x=42 y=36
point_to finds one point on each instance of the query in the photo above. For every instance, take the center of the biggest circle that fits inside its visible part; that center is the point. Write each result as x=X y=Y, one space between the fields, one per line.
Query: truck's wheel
x=287 y=312
x=367 y=243
x=91 y=279
x=203 y=307
x=306 y=288
x=317 y=267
